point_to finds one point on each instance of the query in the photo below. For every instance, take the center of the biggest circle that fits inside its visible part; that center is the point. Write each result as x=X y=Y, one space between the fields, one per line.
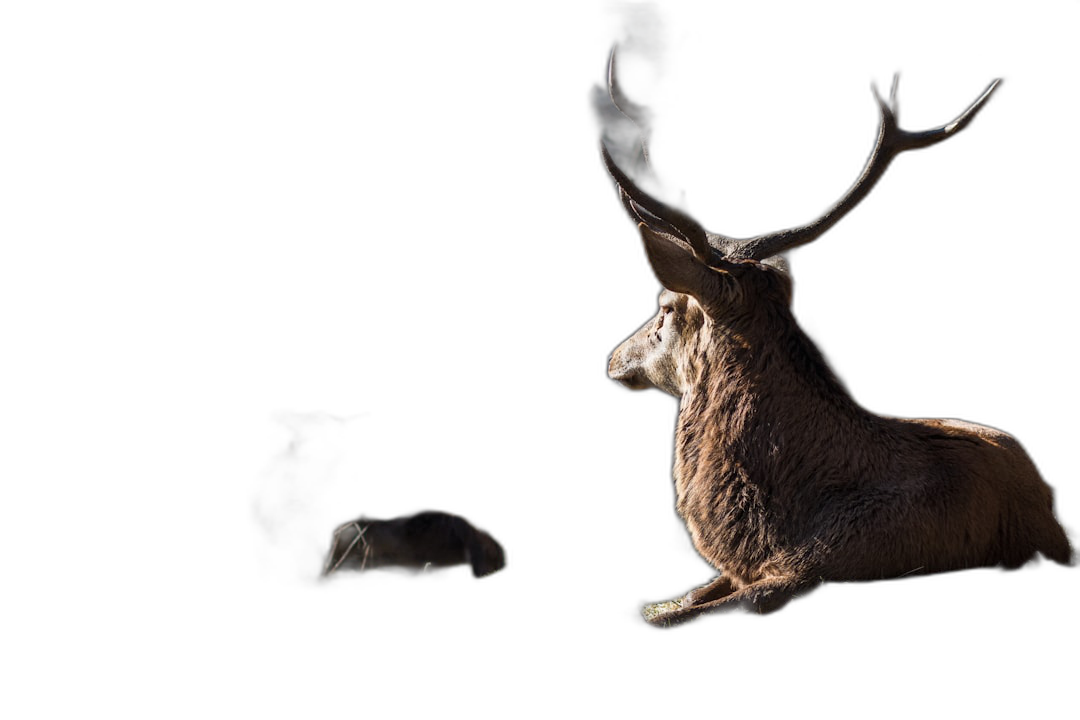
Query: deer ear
x=675 y=265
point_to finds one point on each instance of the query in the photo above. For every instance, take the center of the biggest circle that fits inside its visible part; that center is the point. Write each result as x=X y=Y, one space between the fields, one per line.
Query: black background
x=403 y=214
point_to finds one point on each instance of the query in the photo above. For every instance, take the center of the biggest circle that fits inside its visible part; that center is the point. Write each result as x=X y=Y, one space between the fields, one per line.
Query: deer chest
x=728 y=518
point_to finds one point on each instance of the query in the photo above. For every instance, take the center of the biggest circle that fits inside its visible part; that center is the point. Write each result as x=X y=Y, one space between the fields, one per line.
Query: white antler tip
x=611 y=74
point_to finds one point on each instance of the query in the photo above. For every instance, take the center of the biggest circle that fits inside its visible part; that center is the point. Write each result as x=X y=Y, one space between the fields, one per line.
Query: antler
x=715 y=249
x=658 y=216
x=892 y=141
x=637 y=114
x=625 y=126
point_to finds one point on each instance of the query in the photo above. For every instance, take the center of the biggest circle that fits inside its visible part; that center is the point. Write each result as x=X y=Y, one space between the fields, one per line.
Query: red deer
x=784 y=480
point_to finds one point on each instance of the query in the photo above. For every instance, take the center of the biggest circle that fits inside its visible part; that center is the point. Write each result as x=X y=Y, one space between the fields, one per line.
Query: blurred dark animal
x=431 y=538
x=309 y=496
x=782 y=478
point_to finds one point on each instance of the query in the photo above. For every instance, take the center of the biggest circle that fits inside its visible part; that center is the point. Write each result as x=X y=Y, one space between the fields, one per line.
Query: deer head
x=717 y=285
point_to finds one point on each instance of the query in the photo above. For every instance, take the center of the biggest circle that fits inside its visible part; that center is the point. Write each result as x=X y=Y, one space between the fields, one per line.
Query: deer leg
x=720 y=587
x=764 y=595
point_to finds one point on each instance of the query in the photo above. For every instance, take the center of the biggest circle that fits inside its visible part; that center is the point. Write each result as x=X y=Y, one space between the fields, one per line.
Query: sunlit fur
x=784 y=480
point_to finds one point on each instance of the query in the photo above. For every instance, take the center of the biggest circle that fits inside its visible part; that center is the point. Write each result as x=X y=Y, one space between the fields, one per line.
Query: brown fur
x=784 y=480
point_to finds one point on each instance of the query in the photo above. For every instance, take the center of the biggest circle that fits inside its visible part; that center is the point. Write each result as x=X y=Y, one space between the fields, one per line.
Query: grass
x=652 y=611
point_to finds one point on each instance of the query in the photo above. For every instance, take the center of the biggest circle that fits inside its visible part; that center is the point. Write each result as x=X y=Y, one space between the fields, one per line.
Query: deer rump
x=430 y=538
x=782 y=478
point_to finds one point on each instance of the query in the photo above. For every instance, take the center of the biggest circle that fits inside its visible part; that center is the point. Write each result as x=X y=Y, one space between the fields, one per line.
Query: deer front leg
x=720 y=587
x=764 y=595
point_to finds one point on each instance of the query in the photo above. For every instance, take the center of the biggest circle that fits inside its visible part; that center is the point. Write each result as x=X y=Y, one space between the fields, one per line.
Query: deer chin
x=631 y=379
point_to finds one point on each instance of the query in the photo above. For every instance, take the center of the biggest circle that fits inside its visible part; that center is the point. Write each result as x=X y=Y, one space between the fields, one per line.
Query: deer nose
x=611 y=365
x=614 y=367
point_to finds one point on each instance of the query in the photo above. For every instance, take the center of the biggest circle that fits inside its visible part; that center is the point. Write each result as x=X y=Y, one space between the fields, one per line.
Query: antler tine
x=891 y=141
x=638 y=203
x=914 y=140
x=658 y=215
x=637 y=114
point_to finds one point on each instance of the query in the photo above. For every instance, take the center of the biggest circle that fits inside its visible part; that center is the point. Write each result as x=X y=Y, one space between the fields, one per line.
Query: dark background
x=404 y=216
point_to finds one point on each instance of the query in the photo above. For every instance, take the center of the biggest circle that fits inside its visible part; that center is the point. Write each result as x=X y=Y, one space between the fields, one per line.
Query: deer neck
x=760 y=397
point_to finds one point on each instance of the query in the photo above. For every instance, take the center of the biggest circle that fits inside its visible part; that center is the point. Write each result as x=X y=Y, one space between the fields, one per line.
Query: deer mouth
x=632 y=380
